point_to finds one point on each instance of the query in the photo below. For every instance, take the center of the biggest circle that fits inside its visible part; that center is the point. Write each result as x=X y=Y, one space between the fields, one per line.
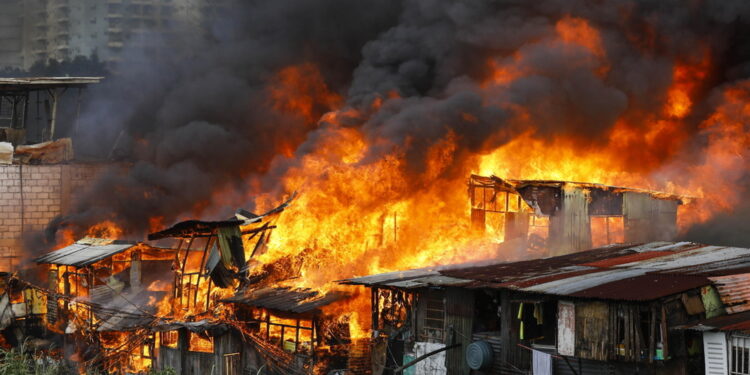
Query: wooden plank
x=664 y=331
x=505 y=324
x=566 y=328
x=652 y=335
x=459 y=316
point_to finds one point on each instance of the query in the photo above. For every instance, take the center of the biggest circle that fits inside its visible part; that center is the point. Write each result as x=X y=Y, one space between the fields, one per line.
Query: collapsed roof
x=286 y=299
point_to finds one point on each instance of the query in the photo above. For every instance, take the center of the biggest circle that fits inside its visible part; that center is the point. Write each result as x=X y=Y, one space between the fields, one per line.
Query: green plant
x=166 y=371
x=17 y=361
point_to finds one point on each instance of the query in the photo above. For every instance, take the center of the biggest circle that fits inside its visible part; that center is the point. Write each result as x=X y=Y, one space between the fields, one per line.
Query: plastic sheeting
x=433 y=365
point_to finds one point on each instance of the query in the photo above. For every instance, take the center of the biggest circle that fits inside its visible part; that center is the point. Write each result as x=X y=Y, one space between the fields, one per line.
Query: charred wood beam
x=193 y=228
x=279 y=324
x=258 y=230
x=188 y=235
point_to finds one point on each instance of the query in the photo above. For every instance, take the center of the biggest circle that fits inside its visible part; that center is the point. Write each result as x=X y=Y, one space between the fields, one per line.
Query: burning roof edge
x=88 y=250
x=514 y=184
x=85 y=251
x=286 y=299
x=242 y=217
x=190 y=227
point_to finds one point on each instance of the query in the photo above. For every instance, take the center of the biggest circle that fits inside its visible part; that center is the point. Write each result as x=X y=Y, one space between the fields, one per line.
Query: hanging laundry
x=541 y=363
x=538 y=313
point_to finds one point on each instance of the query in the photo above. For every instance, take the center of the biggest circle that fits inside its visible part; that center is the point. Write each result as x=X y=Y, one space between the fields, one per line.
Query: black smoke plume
x=197 y=118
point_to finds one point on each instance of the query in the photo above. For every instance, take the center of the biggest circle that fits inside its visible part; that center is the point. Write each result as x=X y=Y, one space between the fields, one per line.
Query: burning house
x=660 y=307
x=101 y=297
x=377 y=113
x=559 y=217
x=197 y=299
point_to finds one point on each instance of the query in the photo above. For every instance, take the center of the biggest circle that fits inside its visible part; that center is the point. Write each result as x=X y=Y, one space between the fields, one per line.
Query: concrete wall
x=32 y=195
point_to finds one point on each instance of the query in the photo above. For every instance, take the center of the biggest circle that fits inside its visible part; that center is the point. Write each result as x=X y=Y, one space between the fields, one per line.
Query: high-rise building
x=37 y=30
x=11 y=33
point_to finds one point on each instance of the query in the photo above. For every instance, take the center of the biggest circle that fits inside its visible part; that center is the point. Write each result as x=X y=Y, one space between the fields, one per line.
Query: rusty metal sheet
x=624 y=272
x=731 y=322
x=427 y=281
x=300 y=300
x=84 y=252
x=504 y=272
x=385 y=278
x=645 y=287
x=734 y=291
x=630 y=258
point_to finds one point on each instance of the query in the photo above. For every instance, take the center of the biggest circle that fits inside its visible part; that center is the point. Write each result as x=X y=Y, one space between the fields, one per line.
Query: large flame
x=362 y=210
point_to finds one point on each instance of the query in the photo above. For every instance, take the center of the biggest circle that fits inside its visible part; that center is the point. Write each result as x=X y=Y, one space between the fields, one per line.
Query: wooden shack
x=656 y=308
x=559 y=217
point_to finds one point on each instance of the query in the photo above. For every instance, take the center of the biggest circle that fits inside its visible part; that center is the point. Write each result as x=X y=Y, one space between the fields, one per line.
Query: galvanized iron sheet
x=636 y=273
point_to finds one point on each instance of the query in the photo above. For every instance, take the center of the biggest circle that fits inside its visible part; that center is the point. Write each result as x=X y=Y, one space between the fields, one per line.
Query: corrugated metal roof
x=45 y=82
x=645 y=287
x=731 y=322
x=300 y=300
x=734 y=291
x=84 y=252
x=644 y=272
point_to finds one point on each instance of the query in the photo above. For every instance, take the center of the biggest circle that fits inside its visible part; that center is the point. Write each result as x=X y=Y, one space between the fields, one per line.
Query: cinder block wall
x=31 y=195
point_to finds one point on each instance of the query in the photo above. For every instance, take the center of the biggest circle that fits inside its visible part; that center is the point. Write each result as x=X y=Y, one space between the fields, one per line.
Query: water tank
x=479 y=355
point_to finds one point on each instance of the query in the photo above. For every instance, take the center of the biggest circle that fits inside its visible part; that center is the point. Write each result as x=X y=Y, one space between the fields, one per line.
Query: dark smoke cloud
x=199 y=117
x=725 y=228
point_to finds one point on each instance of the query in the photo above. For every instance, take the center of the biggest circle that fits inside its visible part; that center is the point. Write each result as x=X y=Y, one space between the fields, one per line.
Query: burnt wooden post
x=200 y=272
x=268 y=326
x=183 y=346
x=296 y=337
x=505 y=324
x=135 y=270
x=652 y=335
x=664 y=332
x=182 y=271
x=176 y=288
x=208 y=293
x=374 y=307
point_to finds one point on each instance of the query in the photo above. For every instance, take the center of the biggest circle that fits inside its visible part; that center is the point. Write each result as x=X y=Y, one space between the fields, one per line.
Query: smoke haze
x=220 y=117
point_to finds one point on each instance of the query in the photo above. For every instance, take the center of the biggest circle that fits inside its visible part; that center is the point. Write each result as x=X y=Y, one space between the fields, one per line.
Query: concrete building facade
x=38 y=30
x=11 y=33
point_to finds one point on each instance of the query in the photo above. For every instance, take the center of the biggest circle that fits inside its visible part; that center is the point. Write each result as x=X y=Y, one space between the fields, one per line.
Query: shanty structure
x=289 y=326
x=42 y=94
x=272 y=327
x=99 y=293
x=561 y=216
x=655 y=308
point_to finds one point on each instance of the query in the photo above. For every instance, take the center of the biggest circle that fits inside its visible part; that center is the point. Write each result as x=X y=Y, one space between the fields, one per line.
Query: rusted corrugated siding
x=592 y=330
x=734 y=291
x=645 y=287
x=629 y=273
x=459 y=318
